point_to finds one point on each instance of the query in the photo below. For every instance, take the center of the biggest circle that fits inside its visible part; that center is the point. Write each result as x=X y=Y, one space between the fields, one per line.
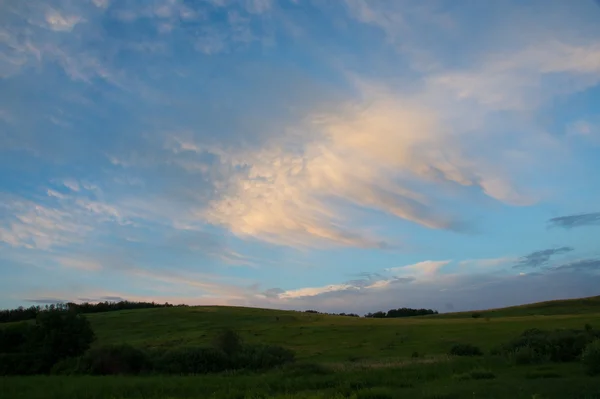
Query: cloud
x=45 y=301
x=58 y=22
x=426 y=268
x=570 y=221
x=579 y=265
x=541 y=258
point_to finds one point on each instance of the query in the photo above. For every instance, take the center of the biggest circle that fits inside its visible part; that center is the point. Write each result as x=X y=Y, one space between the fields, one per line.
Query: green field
x=337 y=356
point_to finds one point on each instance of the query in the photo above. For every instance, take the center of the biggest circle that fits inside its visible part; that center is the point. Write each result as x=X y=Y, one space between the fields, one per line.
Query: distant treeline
x=401 y=312
x=392 y=313
x=21 y=313
x=332 y=314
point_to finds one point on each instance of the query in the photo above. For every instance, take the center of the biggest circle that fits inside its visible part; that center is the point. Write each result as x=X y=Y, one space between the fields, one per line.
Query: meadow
x=337 y=356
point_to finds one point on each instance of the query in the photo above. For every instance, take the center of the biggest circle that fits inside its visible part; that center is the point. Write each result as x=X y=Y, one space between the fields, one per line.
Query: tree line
x=22 y=314
x=401 y=312
x=59 y=342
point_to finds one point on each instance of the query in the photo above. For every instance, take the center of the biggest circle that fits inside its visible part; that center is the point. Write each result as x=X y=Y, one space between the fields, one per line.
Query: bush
x=14 y=338
x=67 y=366
x=536 y=345
x=229 y=342
x=112 y=359
x=476 y=315
x=527 y=355
x=24 y=363
x=191 y=360
x=258 y=357
x=61 y=334
x=465 y=350
x=591 y=357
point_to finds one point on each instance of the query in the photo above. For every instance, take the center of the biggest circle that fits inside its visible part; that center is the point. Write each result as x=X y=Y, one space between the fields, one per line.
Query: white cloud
x=101 y=3
x=62 y=23
x=427 y=268
x=521 y=80
x=486 y=264
x=71 y=184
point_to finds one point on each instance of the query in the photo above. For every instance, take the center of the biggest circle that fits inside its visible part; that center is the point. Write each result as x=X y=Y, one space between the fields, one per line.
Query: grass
x=339 y=357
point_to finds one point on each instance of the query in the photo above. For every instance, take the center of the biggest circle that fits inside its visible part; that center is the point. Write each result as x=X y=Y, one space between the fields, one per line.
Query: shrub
x=61 y=334
x=527 y=355
x=67 y=366
x=258 y=357
x=14 y=338
x=113 y=359
x=465 y=350
x=24 y=363
x=476 y=315
x=229 y=342
x=591 y=357
x=556 y=346
x=191 y=360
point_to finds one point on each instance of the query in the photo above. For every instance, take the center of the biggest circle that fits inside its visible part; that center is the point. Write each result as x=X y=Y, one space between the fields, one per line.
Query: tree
x=60 y=334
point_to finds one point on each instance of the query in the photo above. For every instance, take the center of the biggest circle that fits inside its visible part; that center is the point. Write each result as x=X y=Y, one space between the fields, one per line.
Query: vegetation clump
x=35 y=348
x=465 y=350
x=591 y=357
x=535 y=345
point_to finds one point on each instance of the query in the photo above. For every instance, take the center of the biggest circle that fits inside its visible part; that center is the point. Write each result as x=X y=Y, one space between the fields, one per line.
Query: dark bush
x=229 y=342
x=113 y=359
x=67 y=366
x=192 y=360
x=14 y=338
x=33 y=348
x=258 y=357
x=465 y=350
x=24 y=363
x=536 y=345
x=527 y=355
x=476 y=315
x=61 y=334
x=591 y=357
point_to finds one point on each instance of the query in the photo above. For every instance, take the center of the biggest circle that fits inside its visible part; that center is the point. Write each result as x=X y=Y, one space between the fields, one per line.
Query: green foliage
x=257 y=357
x=34 y=348
x=113 y=359
x=191 y=360
x=62 y=334
x=228 y=341
x=476 y=315
x=14 y=338
x=465 y=350
x=527 y=355
x=535 y=345
x=591 y=357
x=23 y=363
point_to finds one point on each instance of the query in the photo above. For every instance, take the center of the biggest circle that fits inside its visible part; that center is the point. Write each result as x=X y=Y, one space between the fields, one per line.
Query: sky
x=343 y=156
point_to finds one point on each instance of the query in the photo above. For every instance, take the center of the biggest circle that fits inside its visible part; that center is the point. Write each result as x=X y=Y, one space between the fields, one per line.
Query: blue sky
x=336 y=155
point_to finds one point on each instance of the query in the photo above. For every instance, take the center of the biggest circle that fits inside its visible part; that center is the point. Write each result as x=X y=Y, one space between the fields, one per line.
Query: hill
x=323 y=337
x=339 y=357
x=547 y=308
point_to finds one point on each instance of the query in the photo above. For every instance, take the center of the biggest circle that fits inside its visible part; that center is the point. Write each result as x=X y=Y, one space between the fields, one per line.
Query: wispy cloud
x=579 y=220
x=541 y=258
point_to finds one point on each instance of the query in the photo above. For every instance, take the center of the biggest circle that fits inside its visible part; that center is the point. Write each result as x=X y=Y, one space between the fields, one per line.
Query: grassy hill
x=547 y=308
x=338 y=357
x=318 y=337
